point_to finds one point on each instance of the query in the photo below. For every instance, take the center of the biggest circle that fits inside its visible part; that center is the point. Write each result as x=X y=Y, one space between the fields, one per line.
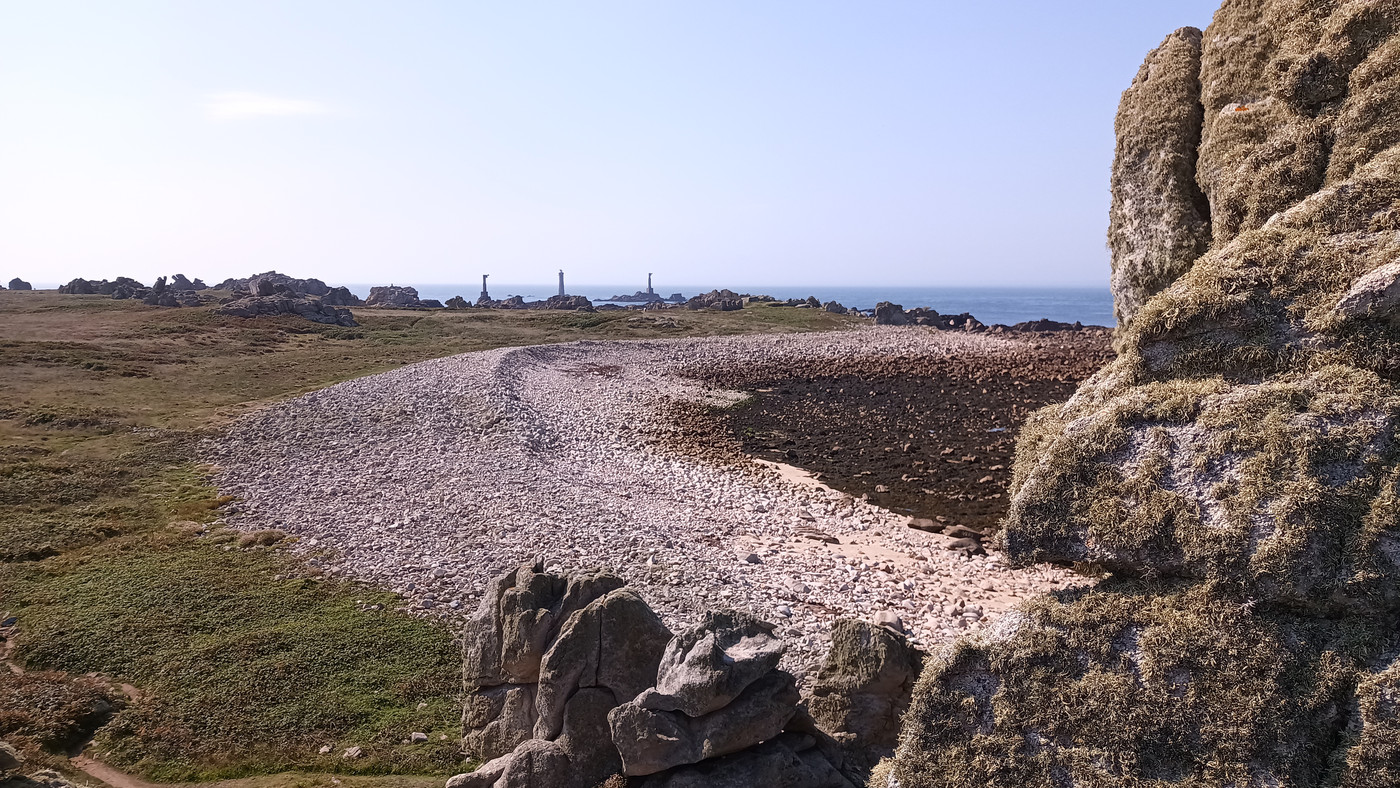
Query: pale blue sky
x=743 y=143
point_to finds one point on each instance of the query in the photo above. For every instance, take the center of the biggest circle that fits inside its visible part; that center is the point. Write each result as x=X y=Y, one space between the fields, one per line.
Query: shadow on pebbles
x=430 y=479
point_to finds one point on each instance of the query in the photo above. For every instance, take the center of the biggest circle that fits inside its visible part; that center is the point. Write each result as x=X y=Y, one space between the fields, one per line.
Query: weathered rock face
x=504 y=646
x=706 y=667
x=393 y=296
x=1159 y=223
x=341 y=296
x=19 y=284
x=571 y=704
x=79 y=287
x=311 y=287
x=274 y=305
x=864 y=687
x=1239 y=457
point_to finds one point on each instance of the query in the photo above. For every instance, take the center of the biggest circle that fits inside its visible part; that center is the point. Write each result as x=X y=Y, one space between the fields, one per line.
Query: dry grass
x=245 y=662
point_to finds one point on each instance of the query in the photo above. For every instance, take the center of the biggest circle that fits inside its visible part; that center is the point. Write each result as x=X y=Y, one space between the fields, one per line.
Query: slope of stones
x=433 y=478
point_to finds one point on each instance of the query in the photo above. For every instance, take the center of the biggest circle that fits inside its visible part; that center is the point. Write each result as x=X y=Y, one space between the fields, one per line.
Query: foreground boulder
x=1236 y=468
x=573 y=680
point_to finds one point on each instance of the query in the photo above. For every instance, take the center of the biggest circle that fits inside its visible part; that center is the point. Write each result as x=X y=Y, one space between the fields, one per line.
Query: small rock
x=417 y=738
x=352 y=752
x=888 y=618
x=325 y=749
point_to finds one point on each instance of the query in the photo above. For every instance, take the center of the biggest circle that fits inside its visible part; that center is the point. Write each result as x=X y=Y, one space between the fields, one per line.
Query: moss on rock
x=1235 y=471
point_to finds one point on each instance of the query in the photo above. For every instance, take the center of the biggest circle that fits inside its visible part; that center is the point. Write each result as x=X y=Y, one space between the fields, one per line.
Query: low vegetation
x=194 y=652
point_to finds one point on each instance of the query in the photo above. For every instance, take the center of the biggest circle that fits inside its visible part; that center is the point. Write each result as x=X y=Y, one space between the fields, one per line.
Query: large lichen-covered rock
x=1134 y=683
x=1236 y=469
x=1159 y=223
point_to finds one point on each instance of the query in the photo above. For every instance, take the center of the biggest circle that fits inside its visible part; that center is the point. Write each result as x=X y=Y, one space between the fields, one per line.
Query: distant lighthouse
x=561 y=281
x=649 y=290
x=485 y=296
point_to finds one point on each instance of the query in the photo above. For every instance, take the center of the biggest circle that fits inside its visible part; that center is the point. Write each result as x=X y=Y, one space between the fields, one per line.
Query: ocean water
x=1009 y=305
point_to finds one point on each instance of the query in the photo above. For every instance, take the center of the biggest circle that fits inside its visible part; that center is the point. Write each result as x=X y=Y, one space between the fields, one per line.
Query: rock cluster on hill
x=269 y=300
x=174 y=291
x=721 y=300
x=1236 y=468
x=571 y=680
x=394 y=296
x=312 y=287
x=20 y=284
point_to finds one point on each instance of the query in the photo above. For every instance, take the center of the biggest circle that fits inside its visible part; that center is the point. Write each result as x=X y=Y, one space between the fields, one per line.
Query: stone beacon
x=649 y=290
x=561 y=282
x=485 y=296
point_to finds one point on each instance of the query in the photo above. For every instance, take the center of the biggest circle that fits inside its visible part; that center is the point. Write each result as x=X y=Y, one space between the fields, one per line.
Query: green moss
x=1137 y=684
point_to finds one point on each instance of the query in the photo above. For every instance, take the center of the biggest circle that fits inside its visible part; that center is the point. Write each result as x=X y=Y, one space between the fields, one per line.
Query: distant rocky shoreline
x=274 y=294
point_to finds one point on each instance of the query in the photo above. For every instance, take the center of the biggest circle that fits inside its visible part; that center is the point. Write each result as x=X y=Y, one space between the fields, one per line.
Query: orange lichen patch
x=1242 y=108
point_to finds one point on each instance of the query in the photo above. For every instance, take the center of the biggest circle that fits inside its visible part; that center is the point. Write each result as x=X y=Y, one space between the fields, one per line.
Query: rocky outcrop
x=127 y=285
x=341 y=296
x=20 y=284
x=1235 y=469
x=1159 y=223
x=393 y=296
x=286 y=304
x=458 y=302
x=181 y=282
x=721 y=300
x=573 y=680
x=834 y=308
x=311 y=287
x=888 y=314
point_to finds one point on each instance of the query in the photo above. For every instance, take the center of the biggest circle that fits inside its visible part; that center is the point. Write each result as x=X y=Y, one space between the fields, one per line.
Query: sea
x=1009 y=305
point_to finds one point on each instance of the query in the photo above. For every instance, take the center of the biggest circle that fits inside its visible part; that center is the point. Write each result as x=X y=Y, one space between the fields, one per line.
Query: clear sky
x=734 y=143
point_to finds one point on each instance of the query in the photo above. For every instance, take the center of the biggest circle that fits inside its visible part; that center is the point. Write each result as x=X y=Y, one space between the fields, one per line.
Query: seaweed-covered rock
x=1159 y=223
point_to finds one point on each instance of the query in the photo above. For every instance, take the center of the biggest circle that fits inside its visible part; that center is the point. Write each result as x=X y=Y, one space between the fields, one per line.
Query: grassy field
x=194 y=653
